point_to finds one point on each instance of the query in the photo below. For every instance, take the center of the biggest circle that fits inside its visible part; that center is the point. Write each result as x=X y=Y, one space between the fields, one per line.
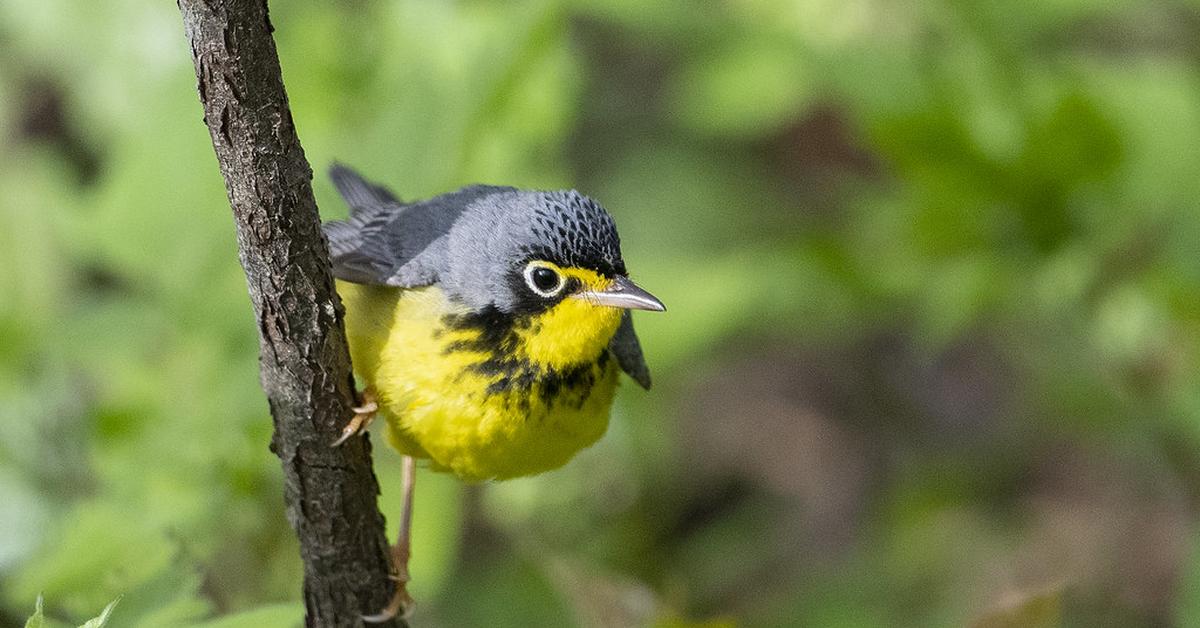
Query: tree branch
x=330 y=493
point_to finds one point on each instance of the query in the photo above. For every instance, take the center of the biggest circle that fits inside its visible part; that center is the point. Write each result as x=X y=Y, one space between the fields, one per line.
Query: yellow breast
x=482 y=398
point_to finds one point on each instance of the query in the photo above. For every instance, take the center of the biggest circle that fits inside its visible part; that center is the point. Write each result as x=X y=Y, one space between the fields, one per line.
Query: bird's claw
x=402 y=603
x=401 y=606
x=363 y=415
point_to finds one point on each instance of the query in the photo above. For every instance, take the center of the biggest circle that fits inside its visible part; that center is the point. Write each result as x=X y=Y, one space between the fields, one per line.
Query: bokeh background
x=933 y=271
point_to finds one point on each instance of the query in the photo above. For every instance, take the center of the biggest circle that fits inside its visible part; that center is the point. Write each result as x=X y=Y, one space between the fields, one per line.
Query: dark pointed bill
x=624 y=294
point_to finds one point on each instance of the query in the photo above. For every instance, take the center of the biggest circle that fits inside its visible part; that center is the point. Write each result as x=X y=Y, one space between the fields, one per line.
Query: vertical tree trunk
x=330 y=493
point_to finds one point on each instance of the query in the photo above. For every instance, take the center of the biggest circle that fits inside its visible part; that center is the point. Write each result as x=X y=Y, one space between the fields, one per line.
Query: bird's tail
x=359 y=193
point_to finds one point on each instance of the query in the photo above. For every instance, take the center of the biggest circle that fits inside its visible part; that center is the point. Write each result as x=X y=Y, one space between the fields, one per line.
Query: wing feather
x=388 y=242
x=358 y=192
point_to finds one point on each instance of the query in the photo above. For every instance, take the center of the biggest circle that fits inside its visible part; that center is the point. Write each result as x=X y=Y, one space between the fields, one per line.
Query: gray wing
x=628 y=350
x=388 y=242
x=358 y=192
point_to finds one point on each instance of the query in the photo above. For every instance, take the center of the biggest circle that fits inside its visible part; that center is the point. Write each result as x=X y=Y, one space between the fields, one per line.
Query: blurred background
x=933 y=271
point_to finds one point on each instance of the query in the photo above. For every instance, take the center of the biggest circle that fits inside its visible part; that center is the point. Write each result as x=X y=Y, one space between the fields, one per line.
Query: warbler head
x=526 y=253
x=549 y=260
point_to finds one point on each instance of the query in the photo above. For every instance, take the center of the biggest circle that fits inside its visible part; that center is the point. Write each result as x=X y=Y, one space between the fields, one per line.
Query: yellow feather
x=437 y=401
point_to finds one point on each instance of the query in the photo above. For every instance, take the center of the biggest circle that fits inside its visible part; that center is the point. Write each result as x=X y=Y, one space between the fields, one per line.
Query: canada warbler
x=488 y=325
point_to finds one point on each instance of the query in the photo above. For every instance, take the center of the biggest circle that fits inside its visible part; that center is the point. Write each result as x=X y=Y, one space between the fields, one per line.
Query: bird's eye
x=543 y=280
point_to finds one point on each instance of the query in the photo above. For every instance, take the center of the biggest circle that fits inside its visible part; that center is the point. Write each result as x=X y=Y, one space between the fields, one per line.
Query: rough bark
x=330 y=493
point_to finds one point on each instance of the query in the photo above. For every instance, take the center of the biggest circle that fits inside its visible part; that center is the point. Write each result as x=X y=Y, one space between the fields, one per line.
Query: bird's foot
x=402 y=603
x=401 y=606
x=363 y=415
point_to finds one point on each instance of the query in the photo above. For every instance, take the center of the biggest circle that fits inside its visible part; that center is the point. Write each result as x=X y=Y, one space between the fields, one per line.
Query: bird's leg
x=363 y=415
x=401 y=604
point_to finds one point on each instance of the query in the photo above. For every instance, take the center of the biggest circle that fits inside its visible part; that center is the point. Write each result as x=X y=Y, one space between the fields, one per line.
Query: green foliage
x=37 y=619
x=101 y=620
x=932 y=334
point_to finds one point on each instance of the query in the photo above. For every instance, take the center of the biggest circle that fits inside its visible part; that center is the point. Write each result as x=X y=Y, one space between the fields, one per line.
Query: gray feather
x=386 y=242
x=358 y=192
x=628 y=351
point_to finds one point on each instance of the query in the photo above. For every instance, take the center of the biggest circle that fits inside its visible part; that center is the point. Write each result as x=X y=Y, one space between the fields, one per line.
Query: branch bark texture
x=330 y=493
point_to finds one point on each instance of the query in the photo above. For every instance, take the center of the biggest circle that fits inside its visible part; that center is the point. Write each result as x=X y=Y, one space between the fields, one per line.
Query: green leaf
x=37 y=619
x=102 y=619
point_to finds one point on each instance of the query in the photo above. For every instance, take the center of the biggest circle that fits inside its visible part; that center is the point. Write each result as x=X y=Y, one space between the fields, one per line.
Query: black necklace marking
x=497 y=339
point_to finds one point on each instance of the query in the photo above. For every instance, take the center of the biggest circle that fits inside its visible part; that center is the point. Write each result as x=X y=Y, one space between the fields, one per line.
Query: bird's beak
x=624 y=294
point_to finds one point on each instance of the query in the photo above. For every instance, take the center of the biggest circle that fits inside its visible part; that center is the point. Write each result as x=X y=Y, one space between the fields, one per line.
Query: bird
x=489 y=327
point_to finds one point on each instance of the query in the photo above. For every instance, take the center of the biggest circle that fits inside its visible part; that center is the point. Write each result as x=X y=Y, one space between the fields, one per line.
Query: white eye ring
x=532 y=268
